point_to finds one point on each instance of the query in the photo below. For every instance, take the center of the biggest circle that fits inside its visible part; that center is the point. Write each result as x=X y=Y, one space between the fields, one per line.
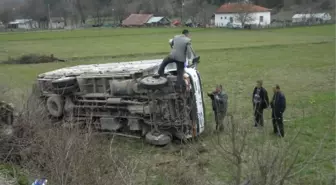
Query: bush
x=14 y=174
x=33 y=59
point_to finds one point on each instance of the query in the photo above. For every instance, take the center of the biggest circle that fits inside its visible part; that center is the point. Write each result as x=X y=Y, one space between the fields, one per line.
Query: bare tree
x=6 y=16
x=80 y=6
x=100 y=9
x=119 y=10
x=38 y=11
x=144 y=7
x=64 y=9
x=244 y=9
x=205 y=13
x=267 y=162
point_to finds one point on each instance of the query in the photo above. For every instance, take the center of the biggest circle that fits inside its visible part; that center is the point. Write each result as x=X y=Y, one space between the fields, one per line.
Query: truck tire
x=158 y=138
x=55 y=106
x=150 y=82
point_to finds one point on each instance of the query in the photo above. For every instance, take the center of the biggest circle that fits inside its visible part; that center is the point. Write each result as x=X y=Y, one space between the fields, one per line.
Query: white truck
x=123 y=98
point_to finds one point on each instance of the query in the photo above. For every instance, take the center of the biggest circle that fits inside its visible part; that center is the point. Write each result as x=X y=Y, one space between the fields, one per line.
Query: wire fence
x=274 y=25
x=288 y=24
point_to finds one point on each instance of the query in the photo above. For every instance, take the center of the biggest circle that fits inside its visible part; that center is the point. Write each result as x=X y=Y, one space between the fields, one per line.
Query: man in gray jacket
x=219 y=106
x=181 y=50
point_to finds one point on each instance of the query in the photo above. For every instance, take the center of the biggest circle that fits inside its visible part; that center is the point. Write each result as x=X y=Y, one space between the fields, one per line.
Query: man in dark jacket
x=278 y=106
x=180 y=50
x=219 y=105
x=260 y=102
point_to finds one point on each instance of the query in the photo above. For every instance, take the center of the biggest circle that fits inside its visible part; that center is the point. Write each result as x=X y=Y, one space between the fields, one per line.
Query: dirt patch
x=33 y=59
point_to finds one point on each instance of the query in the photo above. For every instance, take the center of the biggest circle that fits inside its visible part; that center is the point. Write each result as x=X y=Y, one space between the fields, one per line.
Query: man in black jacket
x=278 y=106
x=260 y=102
x=219 y=105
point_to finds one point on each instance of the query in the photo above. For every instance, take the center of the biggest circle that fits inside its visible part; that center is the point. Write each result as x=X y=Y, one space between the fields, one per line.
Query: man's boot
x=157 y=76
x=221 y=127
x=180 y=88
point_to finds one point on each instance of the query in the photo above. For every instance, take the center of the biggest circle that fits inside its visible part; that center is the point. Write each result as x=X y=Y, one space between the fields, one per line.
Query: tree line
x=78 y=11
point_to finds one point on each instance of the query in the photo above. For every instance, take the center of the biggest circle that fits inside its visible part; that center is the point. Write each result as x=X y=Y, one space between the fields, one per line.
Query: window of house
x=221 y=17
x=261 y=18
x=231 y=19
x=225 y=17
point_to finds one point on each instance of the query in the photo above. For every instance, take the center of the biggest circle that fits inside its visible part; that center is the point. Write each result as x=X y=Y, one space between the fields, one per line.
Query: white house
x=233 y=13
x=23 y=24
x=57 y=23
x=317 y=17
x=158 y=21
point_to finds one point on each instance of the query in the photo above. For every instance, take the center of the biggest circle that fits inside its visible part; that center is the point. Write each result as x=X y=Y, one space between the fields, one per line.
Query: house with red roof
x=136 y=20
x=241 y=14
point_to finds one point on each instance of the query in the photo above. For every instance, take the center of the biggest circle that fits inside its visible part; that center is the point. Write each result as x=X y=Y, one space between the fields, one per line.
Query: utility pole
x=49 y=25
x=182 y=4
x=113 y=16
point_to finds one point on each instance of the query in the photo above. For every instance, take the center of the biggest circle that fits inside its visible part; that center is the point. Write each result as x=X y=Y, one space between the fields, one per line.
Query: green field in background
x=300 y=60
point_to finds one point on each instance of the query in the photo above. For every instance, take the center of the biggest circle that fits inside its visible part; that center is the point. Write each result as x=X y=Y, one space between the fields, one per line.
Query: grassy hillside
x=300 y=60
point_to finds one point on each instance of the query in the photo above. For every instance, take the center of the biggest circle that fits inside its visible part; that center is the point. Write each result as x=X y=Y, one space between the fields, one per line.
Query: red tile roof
x=136 y=19
x=239 y=7
x=176 y=22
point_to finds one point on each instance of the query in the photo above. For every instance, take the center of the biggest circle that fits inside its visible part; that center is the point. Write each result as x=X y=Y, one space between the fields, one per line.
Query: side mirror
x=196 y=60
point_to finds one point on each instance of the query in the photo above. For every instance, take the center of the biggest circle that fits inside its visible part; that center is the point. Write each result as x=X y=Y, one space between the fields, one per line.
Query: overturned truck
x=124 y=98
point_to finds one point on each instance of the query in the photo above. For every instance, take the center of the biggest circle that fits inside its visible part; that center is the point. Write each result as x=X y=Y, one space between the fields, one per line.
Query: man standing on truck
x=181 y=49
x=260 y=102
x=278 y=106
x=219 y=105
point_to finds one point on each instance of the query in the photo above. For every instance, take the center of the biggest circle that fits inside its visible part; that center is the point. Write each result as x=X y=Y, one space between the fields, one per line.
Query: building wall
x=312 y=17
x=221 y=20
x=57 y=25
x=28 y=25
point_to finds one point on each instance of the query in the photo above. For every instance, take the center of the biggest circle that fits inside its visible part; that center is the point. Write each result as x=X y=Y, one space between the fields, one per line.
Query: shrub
x=33 y=59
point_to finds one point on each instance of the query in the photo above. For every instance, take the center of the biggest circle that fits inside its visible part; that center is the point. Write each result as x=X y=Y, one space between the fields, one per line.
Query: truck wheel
x=153 y=83
x=55 y=106
x=158 y=138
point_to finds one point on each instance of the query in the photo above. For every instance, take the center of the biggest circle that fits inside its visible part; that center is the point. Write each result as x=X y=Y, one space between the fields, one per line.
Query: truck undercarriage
x=120 y=98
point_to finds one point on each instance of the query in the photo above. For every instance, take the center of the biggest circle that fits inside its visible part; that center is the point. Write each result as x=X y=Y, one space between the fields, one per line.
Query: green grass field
x=300 y=60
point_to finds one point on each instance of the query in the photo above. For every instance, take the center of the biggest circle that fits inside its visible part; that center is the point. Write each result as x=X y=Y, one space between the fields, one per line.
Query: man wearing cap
x=219 y=105
x=180 y=50
x=260 y=102
x=278 y=106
